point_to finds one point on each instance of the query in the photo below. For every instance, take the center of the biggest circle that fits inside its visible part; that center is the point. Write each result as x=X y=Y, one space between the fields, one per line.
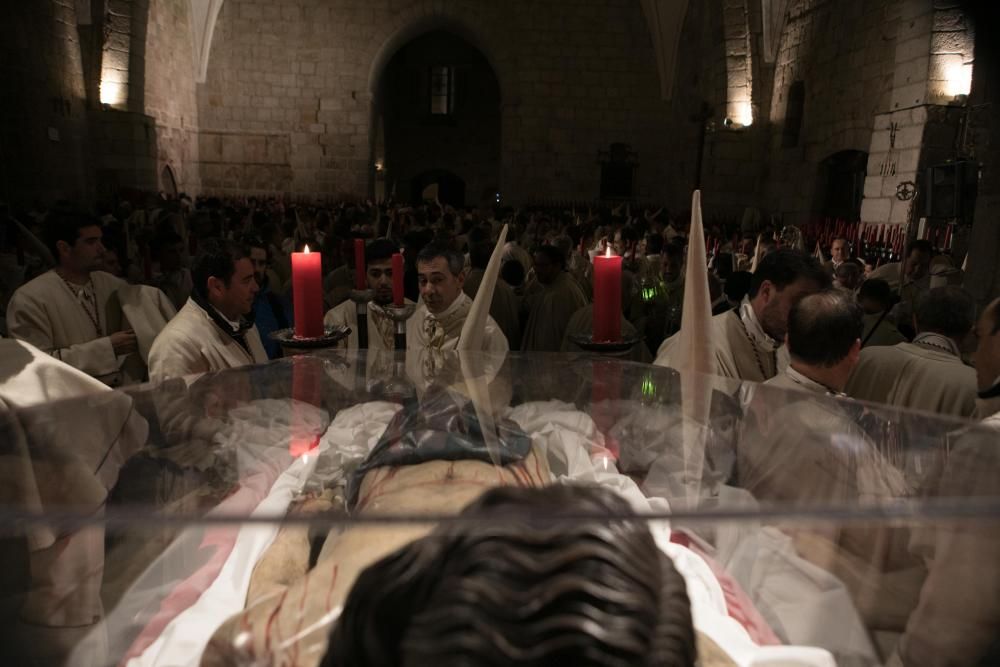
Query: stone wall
x=44 y=133
x=919 y=127
x=844 y=52
x=699 y=99
x=574 y=78
x=171 y=93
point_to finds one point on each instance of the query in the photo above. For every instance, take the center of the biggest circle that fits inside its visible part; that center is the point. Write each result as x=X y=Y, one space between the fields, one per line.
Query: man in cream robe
x=875 y=297
x=437 y=323
x=803 y=447
x=956 y=620
x=381 y=328
x=915 y=281
x=550 y=306
x=60 y=458
x=504 y=309
x=655 y=309
x=210 y=333
x=927 y=374
x=748 y=340
x=77 y=313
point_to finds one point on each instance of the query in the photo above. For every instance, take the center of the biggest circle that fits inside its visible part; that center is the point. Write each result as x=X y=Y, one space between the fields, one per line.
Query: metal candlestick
x=361 y=297
x=399 y=315
x=617 y=348
x=292 y=344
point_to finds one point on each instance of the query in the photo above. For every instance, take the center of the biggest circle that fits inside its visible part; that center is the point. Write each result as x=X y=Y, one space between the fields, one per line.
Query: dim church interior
x=801 y=109
x=813 y=114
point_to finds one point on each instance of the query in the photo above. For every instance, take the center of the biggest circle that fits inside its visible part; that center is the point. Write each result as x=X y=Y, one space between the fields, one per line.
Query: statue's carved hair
x=530 y=583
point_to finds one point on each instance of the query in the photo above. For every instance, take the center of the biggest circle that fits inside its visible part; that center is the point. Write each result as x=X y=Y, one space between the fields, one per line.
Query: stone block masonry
x=309 y=70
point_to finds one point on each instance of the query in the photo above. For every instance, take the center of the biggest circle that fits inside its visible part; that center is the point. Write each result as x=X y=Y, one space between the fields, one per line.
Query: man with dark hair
x=915 y=281
x=840 y=252
x=748 y=340
x=656 y=308
x=171 y=277
x=848 y=275
x=505 y=308
x=876 y=300
x=438 y=322
x=271 y=312
x=927 y=374
x=72 y=312
x=212 y=332
x=381 y=328
x=549 y=305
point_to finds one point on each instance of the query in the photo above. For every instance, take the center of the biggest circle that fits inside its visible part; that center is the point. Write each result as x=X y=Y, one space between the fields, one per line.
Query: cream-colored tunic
x=381 y=329
x=745 y=353
x=915 y=376
x=549 y=310
x=193 y=343
x=880 y=331
x=505 y=309
x=426 y=331
x=48 y=314
x=803 y=449
x=61 y=459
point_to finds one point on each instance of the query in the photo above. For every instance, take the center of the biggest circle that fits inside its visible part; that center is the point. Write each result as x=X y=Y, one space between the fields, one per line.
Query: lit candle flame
x=608 y=253
x=306 y=251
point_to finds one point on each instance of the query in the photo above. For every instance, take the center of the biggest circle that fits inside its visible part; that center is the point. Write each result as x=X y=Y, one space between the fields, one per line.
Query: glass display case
x=372 y=509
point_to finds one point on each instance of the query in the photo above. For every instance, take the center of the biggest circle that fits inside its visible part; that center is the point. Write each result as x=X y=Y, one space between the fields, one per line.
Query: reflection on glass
x=811 y=529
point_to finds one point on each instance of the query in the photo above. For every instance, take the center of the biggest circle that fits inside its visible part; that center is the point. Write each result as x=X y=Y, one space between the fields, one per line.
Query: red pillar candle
x=307 y=293
x=360 y=282
x=607 y=297
x=397 y=279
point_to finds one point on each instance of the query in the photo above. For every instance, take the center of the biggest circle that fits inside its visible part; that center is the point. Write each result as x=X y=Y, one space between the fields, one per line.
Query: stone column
x=919 y=128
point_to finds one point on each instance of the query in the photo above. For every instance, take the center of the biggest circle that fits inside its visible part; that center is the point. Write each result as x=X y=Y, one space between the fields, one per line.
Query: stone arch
x=168 y=181
x=422 y=22
x=429 y=23
x=204 y=15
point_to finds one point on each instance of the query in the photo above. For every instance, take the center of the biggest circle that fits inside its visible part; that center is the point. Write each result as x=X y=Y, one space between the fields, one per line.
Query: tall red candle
x=607 y=297
x=307 y=293
x=360 y=282
x=397 y=280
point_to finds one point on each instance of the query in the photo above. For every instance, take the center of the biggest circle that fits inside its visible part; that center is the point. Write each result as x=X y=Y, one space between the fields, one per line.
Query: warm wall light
x=740 y=115
x=744 y=114
x=958 y=80
x=112 y=93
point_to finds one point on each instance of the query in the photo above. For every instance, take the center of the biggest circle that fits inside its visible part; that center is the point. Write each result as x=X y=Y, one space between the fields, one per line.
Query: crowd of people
x=100 y=291
x=186 y=287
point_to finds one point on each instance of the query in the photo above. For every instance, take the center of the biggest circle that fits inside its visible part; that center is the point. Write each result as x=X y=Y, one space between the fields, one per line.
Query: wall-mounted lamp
x=741 y=116
x=112 y=94
x=958 y=81
x=379 y=165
